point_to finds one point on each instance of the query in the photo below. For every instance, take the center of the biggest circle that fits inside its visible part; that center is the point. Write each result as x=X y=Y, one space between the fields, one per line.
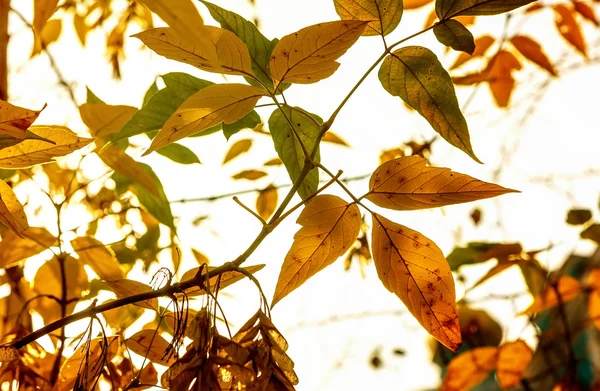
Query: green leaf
x=151 y=91
x=416 y=75
x=179 y=154
x=452 y=33
x=250 y=120
x=446 y=9
x=91 y=97
x=578 y=216
x=289 y=148
x=468 y=255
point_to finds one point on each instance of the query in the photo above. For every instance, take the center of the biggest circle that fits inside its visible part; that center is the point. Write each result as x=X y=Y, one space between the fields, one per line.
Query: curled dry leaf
x=329 y=228
x=11 y=211
x=150 y=344
x=568 y=288
x=414 y=268
x=383 y=15
x=469 y=369
x=125 y=288
x=14 y=120
x=413 y=4
x=266 y=202
x=239 y=147
x=513 y=358
x=97 y=256
x=407 y=183
x=309 y=55
x=8 y=353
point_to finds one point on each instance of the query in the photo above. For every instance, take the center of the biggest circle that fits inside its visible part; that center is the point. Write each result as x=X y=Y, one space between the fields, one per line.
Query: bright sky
x=559 y=142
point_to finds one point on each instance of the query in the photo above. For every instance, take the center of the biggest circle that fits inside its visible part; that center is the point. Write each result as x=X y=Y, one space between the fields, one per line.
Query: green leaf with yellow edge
x=11 y=211
x=329 y=228
x=309 y=54
x=32 y=152
x=125 y=288
x=99 y=257
x=288 y=146
x=383 y=15
x=121 y=162
x=416 y=75
x=215 y=282
x=14 y=120
x=105 y=120
x=150 y=344
x=414 y=268
x=202 y=51
x=446 y=9
x=32 y=241
x=452 y=33
x=213 y=105
x=564 y=289
x=179 y=154
x=407 y=183
x=470 y=368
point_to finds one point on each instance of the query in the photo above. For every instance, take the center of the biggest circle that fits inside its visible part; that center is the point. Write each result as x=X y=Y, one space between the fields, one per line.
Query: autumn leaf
x=567 y=288
x=469 y=369
x=105 y=120
x=125 y=288
x=594 y=297
x=329 y=228
x=94 y=354
x=587 y=11
x=8 y=353
x=532 y=50
x=210 y=106
x=32 y=152
x=569 y=28
x=415 y=74
x=239 y=147
x=11 y=211
x=222 y=281
x=414 y=4
x=414 y=268
x=42 y=11
x=150 y=344
x=97 y=256
x=452 y=33
x=333 y=138
x=482 y=44
x=200 y=258
x=32 y=241
x=266 y=202
x=121 y=162
x=49 y=34
x=309 y=54
x=513 y=358
x=250 y=175
x=446 y=9
x=383 y=15
x=14 y=120
x=181 y=15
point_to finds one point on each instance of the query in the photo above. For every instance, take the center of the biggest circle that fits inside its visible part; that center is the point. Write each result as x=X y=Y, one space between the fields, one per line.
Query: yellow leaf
x=125 y=288
x=569 y=28
x=226 y=279
x=250 y=175
x=11 y=211
x=97 y=256
x=329 y=228
x=414 y=268
x=309 y=55
x=14 y=120
x=181 y=15
x=81 y=28
x=121 y=162
x=333 y=138
x=104 y=120
x=213 y=49
x=513 y=358
x=42 y=11
x=532 y=50
x=237 y=149
x=8 y=353
x=50 y=33
x=383 y=15
x=412 y=4
x=273 y=162
x=210 y=106
x=482 y=44
x=150 y=344
x=266 y=202
x=31 y=152
x=32 y=241
x=594 y=307
x=200 y=258
x=568 y=288
x=93 y=353
x=469 y=369
x=407 y=183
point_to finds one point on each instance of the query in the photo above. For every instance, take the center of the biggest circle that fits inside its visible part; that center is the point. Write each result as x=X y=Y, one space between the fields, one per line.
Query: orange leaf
x=414 y=268
x=266 y=202
x=586 y=10
x=569 y=28
x=407 y=183
x=383 y=15
x=11 y=211
x=125 y=288
x=532 y=50
x=412 y=4
x=329 y=228
x=513 y=358
x=14 y=120
x=469 y=369
x=150 y=344
x=568 y=288
x=482 y=44
x=32 y=241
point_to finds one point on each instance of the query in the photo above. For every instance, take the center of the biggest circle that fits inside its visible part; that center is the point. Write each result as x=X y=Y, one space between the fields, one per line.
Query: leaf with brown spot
x=239 y=147
x=309 y=55
x=251 y=175
x=513 y=358
x=414 y=268
x=266 y=202
x=150 y=344
x=11 y=211
x=49 y=34
x=329 y=228
x=97 y=256
x=125 y=288
x=383 y=15
x=14 y=120
x=569 y=28
x=568 y=288
x=407 y=183
x=532 y=51
x=104 y=120
x=482 y=44
x=469 y=369
x=14 y=248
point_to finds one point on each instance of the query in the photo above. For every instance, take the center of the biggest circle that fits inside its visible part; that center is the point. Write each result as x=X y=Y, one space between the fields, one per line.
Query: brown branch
x=4 y=37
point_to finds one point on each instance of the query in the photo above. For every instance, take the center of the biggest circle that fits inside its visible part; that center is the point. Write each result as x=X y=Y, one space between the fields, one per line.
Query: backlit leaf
x=105 y=120
x=125 y=288
x=251 y=175
x=414 y=268
x=309 y=55
x=568 y=288
x=95 y=356
x=200 y=258
x=569 y=28
x=266 y=202
x=587 y=11
x=469 y=369
x=532 y=50
x=225 y=280
x=32 y=152
x=49 y=34
x=413 y=4
x=181 y=15
x=121 y=162
x=179 y=154
x=208 y=107
x=329 y=228
x=383 y=15
x=477 y=252
x=407 y=183
x=446 y=9
x=11 y=211
x=97 y=256
x=14 y=120
x=213 y=49
x=42 y=11
x=8 y=141
x=239 y=147
x=150 y=344
x=415 y=74
x=333 y=138
x=288 y=146
x=452 y=33
x=594 y=297
x=14 y=248
x=482 y=44
x=513 y=358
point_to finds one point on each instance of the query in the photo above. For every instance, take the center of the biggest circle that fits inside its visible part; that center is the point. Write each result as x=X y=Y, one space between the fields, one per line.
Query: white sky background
x=560 y=141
